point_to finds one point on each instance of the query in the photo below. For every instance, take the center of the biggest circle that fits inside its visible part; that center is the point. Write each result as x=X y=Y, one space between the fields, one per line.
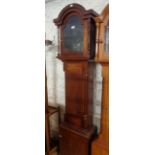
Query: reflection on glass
x=73 y=34
x=106 y=39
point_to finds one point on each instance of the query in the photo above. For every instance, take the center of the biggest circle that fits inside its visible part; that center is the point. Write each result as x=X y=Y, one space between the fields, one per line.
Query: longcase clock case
x=76 y=37
x=100 y=146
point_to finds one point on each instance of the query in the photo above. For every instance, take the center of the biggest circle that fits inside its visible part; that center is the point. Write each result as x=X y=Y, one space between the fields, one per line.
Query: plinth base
x=75 y=141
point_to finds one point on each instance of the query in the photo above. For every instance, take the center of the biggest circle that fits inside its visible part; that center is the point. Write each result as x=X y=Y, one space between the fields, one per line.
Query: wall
x=55 y=74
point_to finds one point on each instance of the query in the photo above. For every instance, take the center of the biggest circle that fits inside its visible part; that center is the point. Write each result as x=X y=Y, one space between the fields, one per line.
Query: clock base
x=75 y=141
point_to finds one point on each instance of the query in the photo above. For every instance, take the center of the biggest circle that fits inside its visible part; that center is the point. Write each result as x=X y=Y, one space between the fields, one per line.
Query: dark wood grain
x=77 y=130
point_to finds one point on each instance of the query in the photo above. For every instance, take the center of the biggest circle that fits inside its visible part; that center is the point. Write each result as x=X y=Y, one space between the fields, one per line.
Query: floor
x=53 y=152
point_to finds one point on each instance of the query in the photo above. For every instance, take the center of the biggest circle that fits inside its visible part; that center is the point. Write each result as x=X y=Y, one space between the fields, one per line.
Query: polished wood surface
x=74 y=141
x=77 y=131
x=87 y=21
x=100 y=145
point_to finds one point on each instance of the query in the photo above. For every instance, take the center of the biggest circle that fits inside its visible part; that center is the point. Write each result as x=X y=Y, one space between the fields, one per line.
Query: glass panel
x=106 y=39
x=73 y=35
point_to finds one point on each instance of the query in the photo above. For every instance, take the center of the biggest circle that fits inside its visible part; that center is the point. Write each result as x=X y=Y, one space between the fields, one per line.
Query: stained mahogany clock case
x=76 y=48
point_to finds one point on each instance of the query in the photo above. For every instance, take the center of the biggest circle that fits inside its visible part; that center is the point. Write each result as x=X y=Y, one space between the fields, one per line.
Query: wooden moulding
x=86 y=17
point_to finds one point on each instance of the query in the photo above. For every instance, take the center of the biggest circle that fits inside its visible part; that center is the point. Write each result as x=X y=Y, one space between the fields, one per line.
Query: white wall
x=55 y=74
